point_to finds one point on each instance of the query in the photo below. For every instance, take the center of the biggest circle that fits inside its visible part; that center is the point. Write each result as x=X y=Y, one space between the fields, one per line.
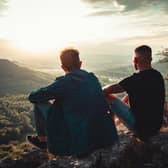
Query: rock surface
x=128 y=153
x=31 y=159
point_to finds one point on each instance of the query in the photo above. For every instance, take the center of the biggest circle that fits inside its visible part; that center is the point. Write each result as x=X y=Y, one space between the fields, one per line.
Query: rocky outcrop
x=32 y=159
x=128 y=153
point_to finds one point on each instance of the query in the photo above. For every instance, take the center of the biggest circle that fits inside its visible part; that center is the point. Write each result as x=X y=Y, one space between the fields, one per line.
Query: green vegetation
x=16 y=121
x=15 y=118
x=14 y=151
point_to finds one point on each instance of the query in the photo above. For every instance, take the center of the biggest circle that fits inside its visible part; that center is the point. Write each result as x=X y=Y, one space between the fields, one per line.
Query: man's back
x=82 y=89
x=146 y=94
x=79 y=121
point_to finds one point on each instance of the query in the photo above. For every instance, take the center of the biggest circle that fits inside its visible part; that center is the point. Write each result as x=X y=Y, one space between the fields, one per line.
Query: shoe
x=34 y=140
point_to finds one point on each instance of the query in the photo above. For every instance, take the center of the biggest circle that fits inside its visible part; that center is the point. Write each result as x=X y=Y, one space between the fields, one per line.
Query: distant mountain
x=124 y=71
x=15 y=79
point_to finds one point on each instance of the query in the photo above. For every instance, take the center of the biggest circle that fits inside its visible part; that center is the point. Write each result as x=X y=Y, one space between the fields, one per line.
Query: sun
x=45 y=25
x=38 y=44
x=40 y=26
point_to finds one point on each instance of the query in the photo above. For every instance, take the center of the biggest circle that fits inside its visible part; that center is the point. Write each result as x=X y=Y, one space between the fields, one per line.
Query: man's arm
x=53 y=91
x=113 y=89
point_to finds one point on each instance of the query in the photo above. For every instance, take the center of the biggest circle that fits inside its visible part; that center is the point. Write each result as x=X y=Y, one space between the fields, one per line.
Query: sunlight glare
x=48 y=25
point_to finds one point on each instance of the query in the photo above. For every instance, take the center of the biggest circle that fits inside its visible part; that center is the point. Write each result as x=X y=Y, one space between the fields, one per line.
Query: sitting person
x=146 y=96
x=78 y=121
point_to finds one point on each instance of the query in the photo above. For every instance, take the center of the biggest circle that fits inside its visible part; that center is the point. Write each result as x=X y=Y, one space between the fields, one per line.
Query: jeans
x=120 y=109
x=40 y=115
x=123 y=112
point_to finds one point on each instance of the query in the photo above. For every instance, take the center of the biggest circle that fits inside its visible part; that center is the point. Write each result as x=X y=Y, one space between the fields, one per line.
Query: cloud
x=103 y=13
x=107 y=7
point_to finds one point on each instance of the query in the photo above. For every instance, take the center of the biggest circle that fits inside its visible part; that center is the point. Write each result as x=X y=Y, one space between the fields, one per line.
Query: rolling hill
x=15 y=79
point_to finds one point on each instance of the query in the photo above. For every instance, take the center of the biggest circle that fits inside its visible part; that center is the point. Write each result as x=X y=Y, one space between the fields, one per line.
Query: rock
x=7 y=163
x=128 y=153
x=31 y=159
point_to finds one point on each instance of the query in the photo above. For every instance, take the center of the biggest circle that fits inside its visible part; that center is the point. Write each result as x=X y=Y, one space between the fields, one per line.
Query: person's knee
x=112 y=97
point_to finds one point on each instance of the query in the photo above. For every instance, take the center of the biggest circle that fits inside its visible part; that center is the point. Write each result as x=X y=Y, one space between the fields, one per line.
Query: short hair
x=144 y=51
x=70 y=58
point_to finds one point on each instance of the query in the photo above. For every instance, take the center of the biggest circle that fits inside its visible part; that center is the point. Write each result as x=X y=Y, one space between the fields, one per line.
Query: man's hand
x=51 y=101
x=106 y=90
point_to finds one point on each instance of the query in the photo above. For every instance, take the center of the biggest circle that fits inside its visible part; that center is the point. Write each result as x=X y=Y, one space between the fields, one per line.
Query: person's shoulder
x=91 y=76
x=85 y=71
x=156 y=72
x=88 y=73
x=59 y=78
x=132 y=76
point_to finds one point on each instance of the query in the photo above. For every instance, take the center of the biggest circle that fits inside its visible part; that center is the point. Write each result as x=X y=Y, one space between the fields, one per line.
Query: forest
x=15 y=118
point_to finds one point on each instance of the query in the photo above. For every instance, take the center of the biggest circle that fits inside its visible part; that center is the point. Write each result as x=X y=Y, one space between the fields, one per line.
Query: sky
x=93 y=26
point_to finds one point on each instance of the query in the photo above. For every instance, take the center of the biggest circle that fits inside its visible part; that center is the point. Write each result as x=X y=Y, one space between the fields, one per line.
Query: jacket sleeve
x=55 y=90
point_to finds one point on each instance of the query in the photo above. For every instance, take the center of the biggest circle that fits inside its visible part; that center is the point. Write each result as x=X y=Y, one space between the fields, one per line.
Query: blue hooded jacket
x=79 y=120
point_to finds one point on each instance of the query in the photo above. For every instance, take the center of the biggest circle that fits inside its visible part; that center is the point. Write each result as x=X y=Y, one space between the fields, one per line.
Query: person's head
x=70 y=60
x=142 y=57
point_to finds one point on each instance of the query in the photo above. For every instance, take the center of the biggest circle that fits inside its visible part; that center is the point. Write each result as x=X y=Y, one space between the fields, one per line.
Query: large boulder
x=128 y=153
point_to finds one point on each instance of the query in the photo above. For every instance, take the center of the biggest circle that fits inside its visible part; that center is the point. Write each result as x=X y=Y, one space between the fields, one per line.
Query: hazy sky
x=96 y=26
